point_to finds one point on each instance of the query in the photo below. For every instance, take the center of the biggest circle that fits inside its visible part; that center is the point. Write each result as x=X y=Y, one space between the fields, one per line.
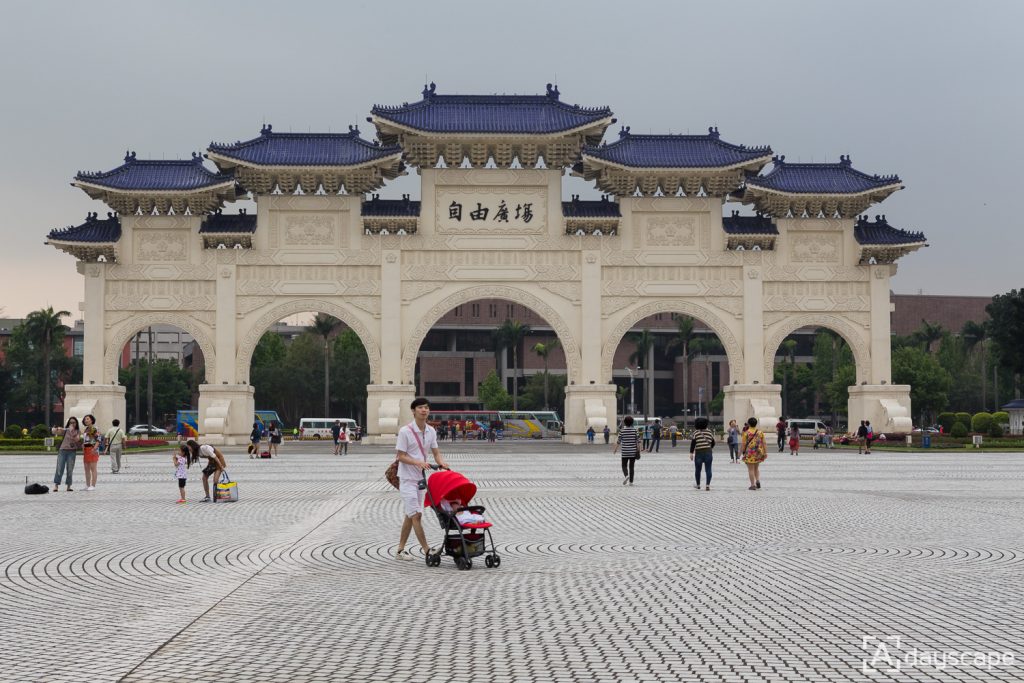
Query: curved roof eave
x=378 y=120
x=758 y=162
x=216 y=157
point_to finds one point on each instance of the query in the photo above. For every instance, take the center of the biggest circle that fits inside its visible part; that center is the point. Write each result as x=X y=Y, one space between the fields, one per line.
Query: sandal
x=751 y=488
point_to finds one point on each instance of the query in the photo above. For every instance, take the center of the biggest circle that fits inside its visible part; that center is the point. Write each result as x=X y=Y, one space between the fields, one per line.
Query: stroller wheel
x=496 y=561
x=489 y=562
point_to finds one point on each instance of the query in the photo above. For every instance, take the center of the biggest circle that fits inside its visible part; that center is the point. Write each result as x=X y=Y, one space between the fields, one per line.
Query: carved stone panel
x=672 y=231
x=161 y=246
x=816 y=248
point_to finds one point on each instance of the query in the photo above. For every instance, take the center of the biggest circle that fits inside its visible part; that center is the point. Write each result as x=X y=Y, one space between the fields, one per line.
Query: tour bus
x=529 y=424
x=320 y=427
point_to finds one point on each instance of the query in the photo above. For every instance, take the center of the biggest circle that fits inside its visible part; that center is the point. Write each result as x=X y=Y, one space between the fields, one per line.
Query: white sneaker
x=90 y=488
x=403 y=555
x=625 y=481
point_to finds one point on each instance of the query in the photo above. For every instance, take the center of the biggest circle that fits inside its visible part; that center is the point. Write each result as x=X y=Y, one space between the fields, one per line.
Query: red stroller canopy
x=451 y=486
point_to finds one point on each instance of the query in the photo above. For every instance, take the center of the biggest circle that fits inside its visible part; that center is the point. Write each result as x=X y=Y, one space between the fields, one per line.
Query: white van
x=320 y=427
x=808 y=428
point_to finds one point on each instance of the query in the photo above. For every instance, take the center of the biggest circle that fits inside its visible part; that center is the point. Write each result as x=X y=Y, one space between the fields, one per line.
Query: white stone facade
x=311 y=253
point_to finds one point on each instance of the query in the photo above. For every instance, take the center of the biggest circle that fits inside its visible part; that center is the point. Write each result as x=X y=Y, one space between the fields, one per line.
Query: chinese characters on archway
x=502 y=213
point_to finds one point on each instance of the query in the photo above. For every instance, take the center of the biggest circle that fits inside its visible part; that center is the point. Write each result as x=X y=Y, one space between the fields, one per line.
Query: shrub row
x=979 y=423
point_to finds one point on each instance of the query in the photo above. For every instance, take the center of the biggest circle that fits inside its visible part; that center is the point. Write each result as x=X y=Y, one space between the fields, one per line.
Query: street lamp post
x=632 y=406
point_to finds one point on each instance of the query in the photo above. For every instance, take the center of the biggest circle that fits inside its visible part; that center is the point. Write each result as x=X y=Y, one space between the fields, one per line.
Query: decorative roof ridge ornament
x=429 y=90
x=845 y=161
x=624 y=132
x=129 y=157
x=353 y=131
x=553 y=92
x=713 y=132
x=779 y=160
x=266 y=129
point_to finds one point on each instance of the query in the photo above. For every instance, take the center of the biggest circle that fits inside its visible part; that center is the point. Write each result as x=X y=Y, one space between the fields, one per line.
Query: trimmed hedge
x=995 y=429
x=1001 y=417
x=965 y=418
x=13 y=431
x=40 y=431
x=981 y=423
x=958 y=431
x=946 y=421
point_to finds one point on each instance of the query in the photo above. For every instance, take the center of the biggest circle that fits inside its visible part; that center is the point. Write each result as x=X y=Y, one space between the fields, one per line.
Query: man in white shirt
x=114 y=439
x=414 y=440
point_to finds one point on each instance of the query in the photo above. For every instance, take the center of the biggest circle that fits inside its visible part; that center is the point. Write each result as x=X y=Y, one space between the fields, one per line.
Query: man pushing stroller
x=414 y=441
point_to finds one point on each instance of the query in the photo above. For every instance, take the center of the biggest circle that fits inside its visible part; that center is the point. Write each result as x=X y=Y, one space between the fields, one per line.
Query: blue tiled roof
x=880 y=233
x=675 y=151
x=391 y=207
x=838 y=178
x=748 y=225
x=509 y=114
x=600 y=208
x=305 y=149
x=228 y=222
x=94 y=230
x=147 y=174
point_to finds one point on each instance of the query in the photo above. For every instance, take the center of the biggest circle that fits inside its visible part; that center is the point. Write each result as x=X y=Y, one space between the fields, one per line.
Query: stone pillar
x=753 y=325
x=590 y=405
x=387 y=409
x=226 y=413
x=97 y=395
x=881 y=309
x=744 y=401
x=225 y=327
x=590 y=320
x=391 y=335
x=887 y=406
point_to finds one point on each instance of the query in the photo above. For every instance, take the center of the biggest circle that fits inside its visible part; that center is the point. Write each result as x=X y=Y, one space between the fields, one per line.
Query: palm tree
x=644 y=356
x=324 y=325
x=544 y=350
x=975 y=334
x=788 y=350
x=511 y=334
x=928 y=334
x=44 y=328
x=682 y=340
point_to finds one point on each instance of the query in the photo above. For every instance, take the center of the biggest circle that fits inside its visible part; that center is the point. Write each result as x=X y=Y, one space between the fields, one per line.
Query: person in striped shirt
x=701 y=447
x=630 y=452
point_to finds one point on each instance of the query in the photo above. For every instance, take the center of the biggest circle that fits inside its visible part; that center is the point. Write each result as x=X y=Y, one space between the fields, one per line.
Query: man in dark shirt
x=336 y=433
x=780 y=433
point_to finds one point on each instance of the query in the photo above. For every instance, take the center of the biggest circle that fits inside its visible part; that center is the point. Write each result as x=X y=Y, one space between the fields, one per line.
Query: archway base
x=104 y=401
x=226 y=413
x=591 y=405
x=887 y=406
x=387 y=409
x=744 y=401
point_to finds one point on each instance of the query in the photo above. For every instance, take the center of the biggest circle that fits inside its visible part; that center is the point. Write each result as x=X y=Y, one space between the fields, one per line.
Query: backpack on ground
x=36 y=488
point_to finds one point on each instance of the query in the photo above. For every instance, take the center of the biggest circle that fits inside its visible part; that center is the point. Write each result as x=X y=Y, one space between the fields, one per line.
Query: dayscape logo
x=886 y=655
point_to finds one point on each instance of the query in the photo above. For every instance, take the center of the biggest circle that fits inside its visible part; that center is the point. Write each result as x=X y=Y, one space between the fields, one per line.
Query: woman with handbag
x=215 y=464
x=90 y=451
x=754 y=452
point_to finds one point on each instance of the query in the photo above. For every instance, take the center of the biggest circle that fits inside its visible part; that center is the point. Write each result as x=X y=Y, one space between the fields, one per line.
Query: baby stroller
x=462 y=540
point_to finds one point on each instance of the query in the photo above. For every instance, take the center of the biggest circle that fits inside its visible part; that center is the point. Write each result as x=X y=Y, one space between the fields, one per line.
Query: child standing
x=182 y=459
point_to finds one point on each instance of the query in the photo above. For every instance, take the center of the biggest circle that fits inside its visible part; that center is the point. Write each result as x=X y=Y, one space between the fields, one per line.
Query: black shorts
x=275 y=439
x=209 y=469
x=181 y=483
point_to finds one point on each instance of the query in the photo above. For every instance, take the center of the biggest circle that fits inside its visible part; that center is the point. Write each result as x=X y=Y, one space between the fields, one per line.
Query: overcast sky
x=928 y=89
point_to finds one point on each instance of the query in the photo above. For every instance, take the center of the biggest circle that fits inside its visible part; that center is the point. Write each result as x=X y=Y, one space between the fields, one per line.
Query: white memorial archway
x=491 y=222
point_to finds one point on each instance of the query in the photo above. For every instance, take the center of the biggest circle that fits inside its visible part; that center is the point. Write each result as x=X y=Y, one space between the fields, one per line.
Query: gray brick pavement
x=598 y=582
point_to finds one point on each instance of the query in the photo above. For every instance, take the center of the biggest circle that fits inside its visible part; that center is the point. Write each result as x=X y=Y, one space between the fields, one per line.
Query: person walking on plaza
x=869 y=436
x=90 y=451
x=415 y=440
x=794 y=440
x=254 y=440
x=755 y=452
x=655 y=437
x=275 y=437
x=215 y=464
x=780 y=433
x=732 y=438
x=343 y=441
x=590 y=434
x=702 y=451
x=114 y=438
x=862 y=437
x=336 y=430
x=69 y=445
x=673 y=432
x=646 y=435
x=627 y=447
x=607 y=434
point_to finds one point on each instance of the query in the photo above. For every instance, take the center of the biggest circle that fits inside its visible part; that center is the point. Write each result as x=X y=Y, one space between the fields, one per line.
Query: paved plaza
x=842 y=568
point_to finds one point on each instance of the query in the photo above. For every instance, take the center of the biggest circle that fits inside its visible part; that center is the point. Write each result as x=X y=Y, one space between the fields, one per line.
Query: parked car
x=926 y=430
x=146 y=429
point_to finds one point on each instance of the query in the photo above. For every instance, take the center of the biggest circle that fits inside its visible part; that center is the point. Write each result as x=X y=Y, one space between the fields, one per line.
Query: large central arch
x=853 y=336
x=123 y=333
x=517 y=294
x=632 y=316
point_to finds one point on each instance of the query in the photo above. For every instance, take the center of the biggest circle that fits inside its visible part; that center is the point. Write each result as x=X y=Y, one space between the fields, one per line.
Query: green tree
x=350 y=373
x=171 y=384
x=510 y=335
x=929 y=382
x=492 y=393
x=974 y=336
x=44 y=329
x=1006 y=329
x=682 y=339
x=268 y=374
x=788 y=349
x=928 y=334
x=643 y=355
x=533 y=393
x=544 y=350
x=965 y=389
x=324 y=325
